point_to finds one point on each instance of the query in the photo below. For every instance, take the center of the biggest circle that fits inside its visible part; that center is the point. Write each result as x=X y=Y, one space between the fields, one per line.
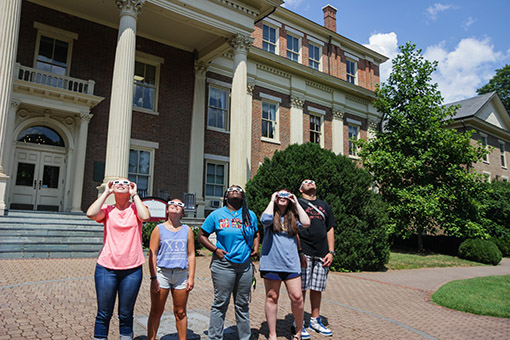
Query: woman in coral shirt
x=119 y=266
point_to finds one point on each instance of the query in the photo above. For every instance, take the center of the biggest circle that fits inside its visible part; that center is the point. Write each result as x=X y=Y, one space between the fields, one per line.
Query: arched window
x=41 y=135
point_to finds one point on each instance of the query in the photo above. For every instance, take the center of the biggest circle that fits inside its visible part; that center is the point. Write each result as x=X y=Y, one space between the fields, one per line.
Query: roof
x=469 y=107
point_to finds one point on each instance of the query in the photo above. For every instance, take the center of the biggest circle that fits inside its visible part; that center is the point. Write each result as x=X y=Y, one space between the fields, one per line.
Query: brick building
x=487 y=116
x=185 y=96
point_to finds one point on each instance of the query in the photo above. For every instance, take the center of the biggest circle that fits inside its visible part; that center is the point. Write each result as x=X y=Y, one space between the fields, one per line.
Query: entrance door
x=39 y=180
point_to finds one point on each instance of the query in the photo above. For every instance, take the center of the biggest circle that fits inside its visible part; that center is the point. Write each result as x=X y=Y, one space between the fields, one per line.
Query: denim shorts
x=281 y=276
x=175 y=278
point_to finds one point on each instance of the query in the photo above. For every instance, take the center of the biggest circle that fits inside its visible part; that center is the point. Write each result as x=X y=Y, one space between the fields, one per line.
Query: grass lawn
x=406 y=260
x=482 y=295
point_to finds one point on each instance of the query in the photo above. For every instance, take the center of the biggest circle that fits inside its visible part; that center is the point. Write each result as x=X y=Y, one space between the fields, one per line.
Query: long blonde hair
x=290 y=218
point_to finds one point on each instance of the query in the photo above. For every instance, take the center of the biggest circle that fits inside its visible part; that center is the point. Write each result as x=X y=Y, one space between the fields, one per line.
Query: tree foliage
x=419 y=164
x=361 y=241
x=501 y=84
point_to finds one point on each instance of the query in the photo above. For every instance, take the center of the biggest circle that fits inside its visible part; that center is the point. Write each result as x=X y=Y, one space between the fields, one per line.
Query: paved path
x=55 y=299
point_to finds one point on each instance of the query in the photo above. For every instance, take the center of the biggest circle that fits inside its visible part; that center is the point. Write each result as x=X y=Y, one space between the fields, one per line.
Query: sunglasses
x=284 y=194
x=180 y=204
x=234 y=189
x=308 y=181
x=121 y=181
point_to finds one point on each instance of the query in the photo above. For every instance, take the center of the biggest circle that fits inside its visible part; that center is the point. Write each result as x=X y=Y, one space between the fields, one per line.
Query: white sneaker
x=304 y=332
x=317 y=326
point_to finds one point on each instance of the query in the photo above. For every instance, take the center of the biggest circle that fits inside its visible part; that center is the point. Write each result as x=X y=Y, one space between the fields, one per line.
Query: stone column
x=10 y=12
x=196 y=150
x=372 y=128
x=240 y=121
x=121 y=102
x=338 y=131
x=81 y=151
x=296 y=119
x=249 y=112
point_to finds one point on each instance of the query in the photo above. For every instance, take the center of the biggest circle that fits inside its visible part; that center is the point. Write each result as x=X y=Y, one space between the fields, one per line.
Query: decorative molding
x=297 y=102
x=85 y=117
x=273 y=70
x=356 y=99
x=240 y=43
x=200 y=69
x=15 y=103
x=319 y=86
x=130 y=7
x=249 y=88
x=338 y=115
x=237 y=6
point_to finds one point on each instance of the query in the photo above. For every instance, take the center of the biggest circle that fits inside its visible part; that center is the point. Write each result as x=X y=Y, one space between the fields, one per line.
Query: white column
x=10 y=12
x=338 y=131
x=196 y=150
x=249 y=111
x=296 y=119
x=121 y=101
x=240 y=121
x=81 y=151
x=372 y=128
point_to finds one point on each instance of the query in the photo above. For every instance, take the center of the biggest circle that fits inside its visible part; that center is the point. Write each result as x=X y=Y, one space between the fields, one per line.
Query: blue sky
x=470 y=39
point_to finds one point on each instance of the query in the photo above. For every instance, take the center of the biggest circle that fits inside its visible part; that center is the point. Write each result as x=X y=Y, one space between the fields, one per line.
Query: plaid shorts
x=314 y=276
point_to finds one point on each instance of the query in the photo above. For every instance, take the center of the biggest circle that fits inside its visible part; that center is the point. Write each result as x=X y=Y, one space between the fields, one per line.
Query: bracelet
x=154 y=277
x=300 y=251
x=214 y=251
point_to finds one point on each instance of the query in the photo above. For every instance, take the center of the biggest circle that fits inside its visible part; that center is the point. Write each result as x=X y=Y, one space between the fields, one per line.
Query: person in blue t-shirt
x=172 y=268
x=237 y=238
x=280 y=256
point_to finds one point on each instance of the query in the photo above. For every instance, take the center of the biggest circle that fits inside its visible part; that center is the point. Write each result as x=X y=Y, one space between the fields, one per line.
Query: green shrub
x=482 y=251
x=503 y=244
x=361 y=240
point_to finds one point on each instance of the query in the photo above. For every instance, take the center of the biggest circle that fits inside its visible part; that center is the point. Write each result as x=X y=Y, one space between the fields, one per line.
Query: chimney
x=329 y=17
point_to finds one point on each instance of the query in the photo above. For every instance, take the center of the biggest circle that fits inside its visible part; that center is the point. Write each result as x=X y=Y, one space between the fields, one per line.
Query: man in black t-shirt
x=318 y=246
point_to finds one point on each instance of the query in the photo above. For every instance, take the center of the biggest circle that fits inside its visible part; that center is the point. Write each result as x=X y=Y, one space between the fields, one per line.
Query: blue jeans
x=109 y=283
x=230 y=279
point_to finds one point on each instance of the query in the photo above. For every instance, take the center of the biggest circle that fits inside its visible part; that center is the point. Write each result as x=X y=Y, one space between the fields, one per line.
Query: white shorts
x=175 y=278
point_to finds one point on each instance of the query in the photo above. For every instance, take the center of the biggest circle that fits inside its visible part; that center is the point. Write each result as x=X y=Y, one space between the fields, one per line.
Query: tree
x=361 y=241
x=421 y=167
x=501 y=84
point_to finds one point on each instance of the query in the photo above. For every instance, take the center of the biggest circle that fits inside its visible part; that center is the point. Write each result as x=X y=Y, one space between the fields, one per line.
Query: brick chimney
x=329 y=17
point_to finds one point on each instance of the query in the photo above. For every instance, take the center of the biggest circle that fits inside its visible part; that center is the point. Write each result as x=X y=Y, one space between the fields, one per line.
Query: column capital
x=250 y=86
x=297 y=102
x=338 y=114
x=200 y=69
x=15 y=103
x=372 y=124
x=85 y=117
x=130 y=7
x=240 y=43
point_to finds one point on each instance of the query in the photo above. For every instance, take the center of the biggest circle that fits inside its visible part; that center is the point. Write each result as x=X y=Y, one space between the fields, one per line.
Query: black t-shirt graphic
x=314 y=241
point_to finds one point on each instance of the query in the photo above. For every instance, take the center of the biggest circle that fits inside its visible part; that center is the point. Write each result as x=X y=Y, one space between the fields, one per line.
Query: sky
x=470 y=39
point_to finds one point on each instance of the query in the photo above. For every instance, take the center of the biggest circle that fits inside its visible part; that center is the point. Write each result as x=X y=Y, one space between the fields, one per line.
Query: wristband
x=154 y=277
x=214 y=251
x=300 y=251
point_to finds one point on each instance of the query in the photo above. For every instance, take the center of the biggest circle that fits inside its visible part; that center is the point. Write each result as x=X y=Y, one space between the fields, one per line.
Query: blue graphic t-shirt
x=229 y=233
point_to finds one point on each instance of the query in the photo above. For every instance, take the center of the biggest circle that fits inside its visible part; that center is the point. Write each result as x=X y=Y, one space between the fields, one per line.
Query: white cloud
x=461 y=71
x=469 y=21
x=432 y=11
x=386 y=44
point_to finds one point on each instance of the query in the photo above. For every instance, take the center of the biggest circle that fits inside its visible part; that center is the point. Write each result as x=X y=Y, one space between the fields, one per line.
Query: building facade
x=487 y=117
x=179 y=96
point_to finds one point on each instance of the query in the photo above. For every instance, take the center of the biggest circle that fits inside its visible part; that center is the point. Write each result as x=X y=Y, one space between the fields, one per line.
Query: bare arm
x=141 y=210
x=328 y=259
x=95 y=212
x=303 y=216
x=203 y=239
x=256 y=242
x=191 y=261
x=153 y=258
x=270 y=207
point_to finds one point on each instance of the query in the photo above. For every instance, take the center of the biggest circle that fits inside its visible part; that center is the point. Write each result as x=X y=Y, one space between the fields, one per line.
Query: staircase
x=34 y=234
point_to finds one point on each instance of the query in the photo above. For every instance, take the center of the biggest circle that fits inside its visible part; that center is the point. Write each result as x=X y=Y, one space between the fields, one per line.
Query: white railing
x=55 y=80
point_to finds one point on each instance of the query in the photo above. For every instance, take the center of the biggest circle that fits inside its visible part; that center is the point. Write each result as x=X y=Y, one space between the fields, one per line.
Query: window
x=215 y=179
x=139 y=170
x=351 y=70
x=502 y=154
x=314 y=56
x=269 y=38
x=269 y=120
x=217 y=112
x=483 y=140
x=41 y=135
x=353 y=135
x=315 y=129
x=292 y=48
x=53 y=49
x=146 y=82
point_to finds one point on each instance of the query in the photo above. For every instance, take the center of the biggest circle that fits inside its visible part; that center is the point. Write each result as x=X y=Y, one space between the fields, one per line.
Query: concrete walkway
x=55 y=299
